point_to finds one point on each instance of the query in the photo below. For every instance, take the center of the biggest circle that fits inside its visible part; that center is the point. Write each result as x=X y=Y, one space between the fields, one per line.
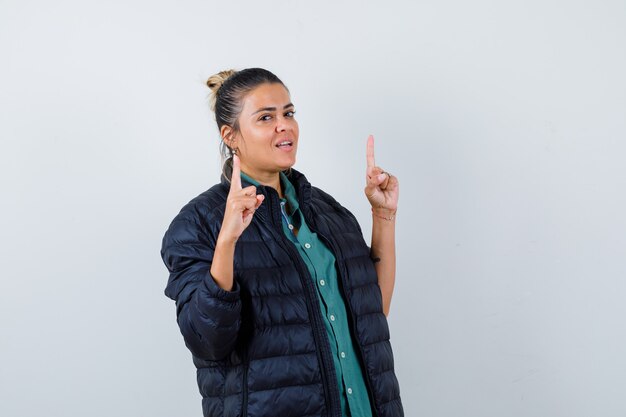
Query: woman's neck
x=270 y=179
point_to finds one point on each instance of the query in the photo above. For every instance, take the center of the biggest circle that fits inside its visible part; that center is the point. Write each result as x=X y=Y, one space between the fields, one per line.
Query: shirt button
x=349 y=390
x=291 y=227
x=322 y=282
x=343 y=354
x=332 y=318
x=307 y=245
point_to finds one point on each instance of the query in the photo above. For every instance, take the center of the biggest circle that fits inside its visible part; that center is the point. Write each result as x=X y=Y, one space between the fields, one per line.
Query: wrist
x=384 y=213
x=226 y=242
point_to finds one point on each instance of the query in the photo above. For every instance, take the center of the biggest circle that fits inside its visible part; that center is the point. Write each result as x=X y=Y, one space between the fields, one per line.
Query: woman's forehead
x=267 y=95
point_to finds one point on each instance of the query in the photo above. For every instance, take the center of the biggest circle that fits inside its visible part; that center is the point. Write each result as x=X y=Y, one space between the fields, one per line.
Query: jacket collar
x=299 y=181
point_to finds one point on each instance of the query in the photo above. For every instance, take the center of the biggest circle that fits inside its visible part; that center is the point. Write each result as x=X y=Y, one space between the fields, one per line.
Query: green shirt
x=320 y=262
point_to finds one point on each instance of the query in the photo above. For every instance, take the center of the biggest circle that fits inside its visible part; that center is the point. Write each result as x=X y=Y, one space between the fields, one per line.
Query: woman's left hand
x=382 y=188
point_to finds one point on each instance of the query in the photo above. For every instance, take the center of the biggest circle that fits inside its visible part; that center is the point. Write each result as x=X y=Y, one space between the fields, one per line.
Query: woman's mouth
x=285 y=145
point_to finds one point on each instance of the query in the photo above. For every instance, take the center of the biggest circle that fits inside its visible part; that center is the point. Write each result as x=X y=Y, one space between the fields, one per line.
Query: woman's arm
x=382 y=190
x=241 y=204
x=209 y=317
x=208 y=303
x=383 y=247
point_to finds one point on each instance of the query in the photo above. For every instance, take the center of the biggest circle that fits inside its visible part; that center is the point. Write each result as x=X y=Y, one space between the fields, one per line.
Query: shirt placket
x=351 y=390
x=338 y=321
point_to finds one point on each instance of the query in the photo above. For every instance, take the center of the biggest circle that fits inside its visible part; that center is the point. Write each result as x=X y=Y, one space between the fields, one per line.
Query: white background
x=504 y=122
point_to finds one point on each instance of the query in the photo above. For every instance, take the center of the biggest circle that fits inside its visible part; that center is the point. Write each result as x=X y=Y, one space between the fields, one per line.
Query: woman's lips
x=286 y=147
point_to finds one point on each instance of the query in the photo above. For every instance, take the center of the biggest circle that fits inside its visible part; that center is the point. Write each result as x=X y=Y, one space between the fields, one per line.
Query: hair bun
x=215 y=82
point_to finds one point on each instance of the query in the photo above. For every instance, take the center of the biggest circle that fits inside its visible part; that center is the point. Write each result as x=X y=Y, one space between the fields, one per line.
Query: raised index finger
x=370 y=151
x=235 y=179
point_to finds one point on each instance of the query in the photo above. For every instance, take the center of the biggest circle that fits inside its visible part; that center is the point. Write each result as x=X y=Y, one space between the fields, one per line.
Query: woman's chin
x=288 y=165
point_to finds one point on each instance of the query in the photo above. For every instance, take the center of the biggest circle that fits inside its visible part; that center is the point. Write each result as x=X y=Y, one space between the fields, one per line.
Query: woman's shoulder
x=300 y=181
x=211 y=199
x=320 y=195
x=324 y=202
x=204 y=211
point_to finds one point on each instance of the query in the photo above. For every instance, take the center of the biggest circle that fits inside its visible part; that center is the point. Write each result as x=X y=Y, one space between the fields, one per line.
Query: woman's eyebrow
x=272 y=108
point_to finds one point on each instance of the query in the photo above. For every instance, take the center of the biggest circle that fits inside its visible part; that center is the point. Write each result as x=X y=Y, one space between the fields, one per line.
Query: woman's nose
x=281 y=124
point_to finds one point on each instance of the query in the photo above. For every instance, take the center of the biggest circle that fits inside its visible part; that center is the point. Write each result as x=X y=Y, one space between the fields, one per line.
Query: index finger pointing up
x=370 y=151
x=235 y=179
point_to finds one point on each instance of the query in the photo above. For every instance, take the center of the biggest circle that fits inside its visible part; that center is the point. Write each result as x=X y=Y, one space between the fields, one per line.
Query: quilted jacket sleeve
x=209 y=317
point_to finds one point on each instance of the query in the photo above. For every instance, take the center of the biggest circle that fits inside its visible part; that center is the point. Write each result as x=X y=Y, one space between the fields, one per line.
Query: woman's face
x=265 y=123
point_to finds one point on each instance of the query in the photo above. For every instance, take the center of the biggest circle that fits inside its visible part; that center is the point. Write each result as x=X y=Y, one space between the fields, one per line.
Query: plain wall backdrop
x=504 y=122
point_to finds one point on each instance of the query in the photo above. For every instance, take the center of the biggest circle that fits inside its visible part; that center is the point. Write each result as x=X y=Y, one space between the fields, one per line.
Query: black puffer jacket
x=262 y=349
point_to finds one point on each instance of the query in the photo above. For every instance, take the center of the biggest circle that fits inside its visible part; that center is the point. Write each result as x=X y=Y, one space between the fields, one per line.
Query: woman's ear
x=227 y=135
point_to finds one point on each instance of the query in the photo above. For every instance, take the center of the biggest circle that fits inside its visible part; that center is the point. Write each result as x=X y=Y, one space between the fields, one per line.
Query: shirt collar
x=288 y=189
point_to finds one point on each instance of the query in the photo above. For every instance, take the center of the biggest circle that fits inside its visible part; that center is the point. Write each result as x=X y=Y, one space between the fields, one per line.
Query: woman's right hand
x=241 y=204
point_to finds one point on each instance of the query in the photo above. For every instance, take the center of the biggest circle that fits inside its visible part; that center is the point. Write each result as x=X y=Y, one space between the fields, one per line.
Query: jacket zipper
x=314 y=312
x=244 y=387
x=353 y=322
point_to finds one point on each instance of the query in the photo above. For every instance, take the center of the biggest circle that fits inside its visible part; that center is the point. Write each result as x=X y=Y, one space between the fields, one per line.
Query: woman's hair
x=228 y=89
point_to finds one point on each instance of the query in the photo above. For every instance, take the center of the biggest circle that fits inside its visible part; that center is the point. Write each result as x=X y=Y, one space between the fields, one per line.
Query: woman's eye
x=267 y=117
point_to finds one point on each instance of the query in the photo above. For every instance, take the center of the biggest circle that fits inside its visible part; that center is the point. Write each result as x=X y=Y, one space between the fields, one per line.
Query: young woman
x=278 y=297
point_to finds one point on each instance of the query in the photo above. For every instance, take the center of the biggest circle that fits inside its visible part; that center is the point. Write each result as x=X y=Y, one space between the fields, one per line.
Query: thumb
x=259 y=199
